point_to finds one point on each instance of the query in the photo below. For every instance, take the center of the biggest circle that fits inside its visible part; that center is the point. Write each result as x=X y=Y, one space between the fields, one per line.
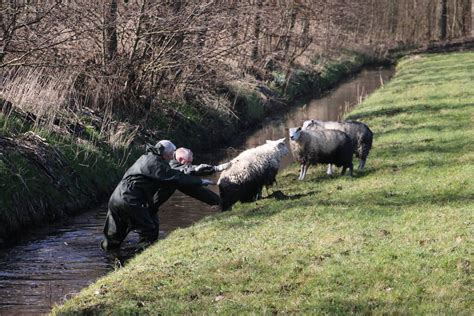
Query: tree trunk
x=3 y=35
x=257 y=26
x=443 y=19
x=110 y=30
x=290 y=30
x=235 y=21
x=430 y=10
x=11 y=11
x=467 y=18
x=393 y=17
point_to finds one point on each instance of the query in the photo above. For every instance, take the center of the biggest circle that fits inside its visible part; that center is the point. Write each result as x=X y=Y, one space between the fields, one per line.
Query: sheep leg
x=361 y=164
x=329 y=171
x=343 y=172
x=267 y=189
x=303 y=170
x=351 y=169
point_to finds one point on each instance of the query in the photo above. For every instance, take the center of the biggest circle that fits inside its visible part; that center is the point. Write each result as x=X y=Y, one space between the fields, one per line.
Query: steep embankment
x=47 y=174
x=397 y=238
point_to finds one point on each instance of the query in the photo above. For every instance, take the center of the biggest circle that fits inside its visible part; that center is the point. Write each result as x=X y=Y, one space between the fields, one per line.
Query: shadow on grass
x=392 y=201
x=259 y=211
x=414 y=129
x=279 y=195
x=435 y=147
x=368 y=170
x=433 y=71
x=319 y=176
x=419 y=108
x=339 y=306
x=433 y=80
x=376 y=113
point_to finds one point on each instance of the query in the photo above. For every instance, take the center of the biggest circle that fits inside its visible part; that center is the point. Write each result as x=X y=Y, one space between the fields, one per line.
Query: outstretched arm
x=200 y=170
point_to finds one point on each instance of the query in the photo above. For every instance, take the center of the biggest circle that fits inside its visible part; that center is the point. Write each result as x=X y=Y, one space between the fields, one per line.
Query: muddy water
x=55 y=262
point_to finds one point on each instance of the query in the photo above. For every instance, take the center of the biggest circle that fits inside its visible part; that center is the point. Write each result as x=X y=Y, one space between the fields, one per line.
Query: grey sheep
x=249 y=172
x=321 y=146
x=360 y=134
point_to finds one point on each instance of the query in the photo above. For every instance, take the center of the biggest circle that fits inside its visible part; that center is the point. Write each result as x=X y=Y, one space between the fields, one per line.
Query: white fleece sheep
x=249 y=172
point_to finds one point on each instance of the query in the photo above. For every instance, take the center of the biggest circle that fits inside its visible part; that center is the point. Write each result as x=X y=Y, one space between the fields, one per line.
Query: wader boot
x=116 y=227
x=123 y=217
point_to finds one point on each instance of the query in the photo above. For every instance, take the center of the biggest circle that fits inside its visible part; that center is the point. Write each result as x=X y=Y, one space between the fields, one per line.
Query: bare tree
x=126 y=53
x=467 y=10
x=110 y=30
x=18 y=20
x=257 y=28
x=443 y=19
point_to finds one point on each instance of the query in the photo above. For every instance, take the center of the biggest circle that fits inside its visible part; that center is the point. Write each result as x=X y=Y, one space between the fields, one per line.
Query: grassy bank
x=397 y=238
x=46 y=175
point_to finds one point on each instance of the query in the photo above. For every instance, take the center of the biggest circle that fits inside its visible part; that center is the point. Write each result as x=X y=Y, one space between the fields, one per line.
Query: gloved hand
x=207 y=182
x=203 y=166
x=222 y=167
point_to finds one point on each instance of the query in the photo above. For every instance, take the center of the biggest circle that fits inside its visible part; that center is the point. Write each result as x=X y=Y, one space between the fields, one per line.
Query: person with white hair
x=131 y=205
x=183 y=159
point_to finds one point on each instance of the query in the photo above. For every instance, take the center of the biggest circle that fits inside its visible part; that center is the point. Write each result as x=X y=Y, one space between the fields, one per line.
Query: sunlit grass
x=396 y=238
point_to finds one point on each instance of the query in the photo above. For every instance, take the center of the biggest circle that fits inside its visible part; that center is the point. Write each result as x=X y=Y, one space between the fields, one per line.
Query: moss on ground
x=395 y=239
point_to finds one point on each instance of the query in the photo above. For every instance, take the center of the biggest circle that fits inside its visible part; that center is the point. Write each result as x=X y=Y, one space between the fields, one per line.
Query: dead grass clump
x=41 y=93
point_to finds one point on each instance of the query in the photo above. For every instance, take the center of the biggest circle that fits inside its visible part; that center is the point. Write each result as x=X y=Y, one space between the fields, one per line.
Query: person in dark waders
x=131 y=205
x=183 y=158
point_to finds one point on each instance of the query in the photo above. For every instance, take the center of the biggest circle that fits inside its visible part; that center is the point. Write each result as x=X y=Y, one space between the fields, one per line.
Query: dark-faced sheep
x=249 y=172
x=321 y=146
x=360 y=134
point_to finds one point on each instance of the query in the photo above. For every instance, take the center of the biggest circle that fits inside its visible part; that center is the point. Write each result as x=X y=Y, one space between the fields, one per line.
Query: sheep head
x=280 y=145
x=295 y=133
x=312 y=123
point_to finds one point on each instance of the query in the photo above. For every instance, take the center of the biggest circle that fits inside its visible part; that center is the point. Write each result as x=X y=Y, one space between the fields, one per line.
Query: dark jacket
x=148 y=174
x=198 y=192
x=195 y=170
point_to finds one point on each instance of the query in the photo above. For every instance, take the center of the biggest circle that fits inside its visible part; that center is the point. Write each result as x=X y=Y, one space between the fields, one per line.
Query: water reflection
x=63 y=258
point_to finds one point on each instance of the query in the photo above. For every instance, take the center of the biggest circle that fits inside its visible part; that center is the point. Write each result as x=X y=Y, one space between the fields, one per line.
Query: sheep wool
x=359 y=133
x=249 y=172
x=321 y=146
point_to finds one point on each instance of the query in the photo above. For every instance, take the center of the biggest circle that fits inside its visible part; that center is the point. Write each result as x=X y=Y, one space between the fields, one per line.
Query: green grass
x=395 y=239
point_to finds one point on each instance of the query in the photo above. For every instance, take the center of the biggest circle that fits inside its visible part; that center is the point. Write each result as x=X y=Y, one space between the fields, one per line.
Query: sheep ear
x=281 y=140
